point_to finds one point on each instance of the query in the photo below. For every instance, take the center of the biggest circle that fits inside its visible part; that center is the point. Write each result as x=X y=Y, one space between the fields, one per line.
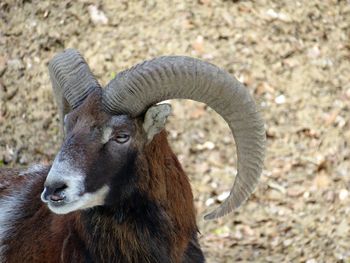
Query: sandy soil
x=293 y=55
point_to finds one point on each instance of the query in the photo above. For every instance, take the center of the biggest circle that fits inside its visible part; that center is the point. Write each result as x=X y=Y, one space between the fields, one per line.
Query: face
x=98 y=155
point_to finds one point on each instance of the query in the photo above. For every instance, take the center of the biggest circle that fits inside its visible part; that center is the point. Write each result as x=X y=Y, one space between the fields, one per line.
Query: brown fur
x=156 y=224
x=167 y=179
x=41 y=236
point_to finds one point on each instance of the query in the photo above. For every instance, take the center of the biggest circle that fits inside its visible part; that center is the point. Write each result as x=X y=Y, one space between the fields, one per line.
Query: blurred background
x=294 y=57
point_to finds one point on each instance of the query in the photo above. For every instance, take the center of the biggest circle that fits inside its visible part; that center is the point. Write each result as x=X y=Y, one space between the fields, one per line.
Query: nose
x=54 y=192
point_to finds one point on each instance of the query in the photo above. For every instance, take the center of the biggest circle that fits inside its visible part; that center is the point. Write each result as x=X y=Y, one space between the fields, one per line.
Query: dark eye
x=122 y=138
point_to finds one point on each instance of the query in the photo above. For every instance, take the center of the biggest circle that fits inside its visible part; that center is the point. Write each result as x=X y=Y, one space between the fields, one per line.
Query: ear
x=155 y=119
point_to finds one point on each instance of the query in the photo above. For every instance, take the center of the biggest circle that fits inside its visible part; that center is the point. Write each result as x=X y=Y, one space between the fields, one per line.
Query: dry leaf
x=198 y=45
x=322 y=181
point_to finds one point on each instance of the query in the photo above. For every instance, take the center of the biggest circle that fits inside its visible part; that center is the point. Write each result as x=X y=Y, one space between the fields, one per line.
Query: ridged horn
x=71 y=79
x=133 y=91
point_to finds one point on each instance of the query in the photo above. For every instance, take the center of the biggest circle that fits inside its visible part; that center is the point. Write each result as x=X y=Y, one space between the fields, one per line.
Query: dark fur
x=148 y=216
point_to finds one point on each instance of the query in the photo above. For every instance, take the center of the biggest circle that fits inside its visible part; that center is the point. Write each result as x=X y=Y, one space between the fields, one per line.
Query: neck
x=140 y=232
x=155 y=223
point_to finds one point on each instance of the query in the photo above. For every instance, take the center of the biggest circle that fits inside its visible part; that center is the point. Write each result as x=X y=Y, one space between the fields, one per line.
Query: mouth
x=58 y=198
x=57 y=206
x=57 y=203
x=65 y=206
x=70 y=202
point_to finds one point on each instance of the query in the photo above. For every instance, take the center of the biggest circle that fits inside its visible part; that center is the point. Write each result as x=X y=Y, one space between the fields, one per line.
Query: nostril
x=57 y=198
x=58 y=194
x=55 y=192
x=60 y=189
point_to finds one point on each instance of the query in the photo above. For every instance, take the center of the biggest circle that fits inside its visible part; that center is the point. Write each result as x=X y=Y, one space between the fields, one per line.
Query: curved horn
x=71 y=79
x=134 y=90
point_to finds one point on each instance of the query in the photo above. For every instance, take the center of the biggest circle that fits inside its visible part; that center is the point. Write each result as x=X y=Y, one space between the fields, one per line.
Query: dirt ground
x=294 y=56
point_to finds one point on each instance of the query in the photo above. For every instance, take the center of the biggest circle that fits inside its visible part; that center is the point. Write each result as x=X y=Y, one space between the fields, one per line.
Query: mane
x=170 y=185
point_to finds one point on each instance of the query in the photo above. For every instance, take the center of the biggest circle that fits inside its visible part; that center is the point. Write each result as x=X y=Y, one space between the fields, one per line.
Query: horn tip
x=217 y=213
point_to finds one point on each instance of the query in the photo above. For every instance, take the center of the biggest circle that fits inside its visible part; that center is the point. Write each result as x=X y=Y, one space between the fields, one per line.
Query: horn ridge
x=170 y=77
x=72 y=80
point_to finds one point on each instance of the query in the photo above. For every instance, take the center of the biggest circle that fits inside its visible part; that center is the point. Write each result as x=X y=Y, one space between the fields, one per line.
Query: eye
x=122 y=138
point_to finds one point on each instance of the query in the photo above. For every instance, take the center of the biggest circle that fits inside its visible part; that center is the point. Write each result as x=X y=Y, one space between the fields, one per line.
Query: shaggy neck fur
x=155 y=223
x=143 y=235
